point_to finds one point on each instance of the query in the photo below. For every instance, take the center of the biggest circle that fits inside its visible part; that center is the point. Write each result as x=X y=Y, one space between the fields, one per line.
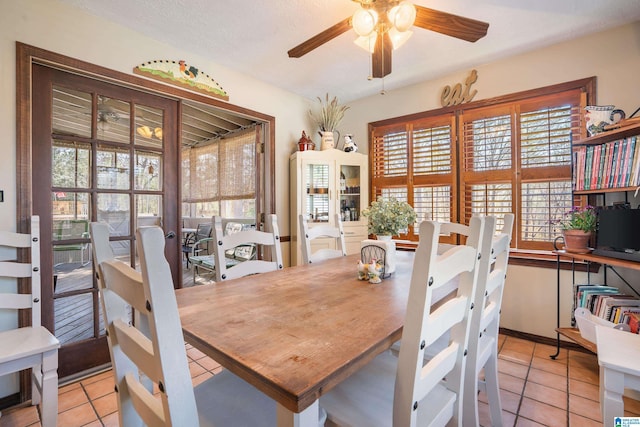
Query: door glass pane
x=317 y=182
x=148 y=209
x=71 y=114
x=74 y=317
x=148 y=171
x=149 y=126
x=113 y=120
x=113 y=168
x=114 y=209
x=71 y=244
x=350 y=192
x=70 y=164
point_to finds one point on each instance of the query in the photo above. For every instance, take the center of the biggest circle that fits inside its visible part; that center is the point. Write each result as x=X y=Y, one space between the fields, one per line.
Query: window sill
x=540 y=259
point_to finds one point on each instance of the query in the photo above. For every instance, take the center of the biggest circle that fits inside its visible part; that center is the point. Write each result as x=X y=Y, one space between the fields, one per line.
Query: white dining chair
x=251 y=240
x=31 y=347
x=407 y=390
x=223 y=400
x=484 y=329
x=334 y=235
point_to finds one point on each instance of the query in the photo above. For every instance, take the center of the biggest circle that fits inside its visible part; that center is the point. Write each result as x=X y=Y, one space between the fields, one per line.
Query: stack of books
x=615 y=164
x=608 y=303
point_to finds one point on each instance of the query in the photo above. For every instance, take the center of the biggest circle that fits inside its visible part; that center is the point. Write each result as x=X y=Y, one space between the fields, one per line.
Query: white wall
x=613 y=56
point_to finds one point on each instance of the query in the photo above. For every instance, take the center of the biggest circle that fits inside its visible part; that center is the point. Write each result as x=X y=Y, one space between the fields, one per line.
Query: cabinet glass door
x=316 y=181
x=350 y=192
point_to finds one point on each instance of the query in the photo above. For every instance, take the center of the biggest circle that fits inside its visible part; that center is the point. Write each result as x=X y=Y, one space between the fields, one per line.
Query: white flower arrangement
x=389 y=216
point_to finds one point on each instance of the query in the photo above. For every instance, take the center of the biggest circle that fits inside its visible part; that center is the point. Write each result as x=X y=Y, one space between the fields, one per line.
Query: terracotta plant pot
x=577 y=241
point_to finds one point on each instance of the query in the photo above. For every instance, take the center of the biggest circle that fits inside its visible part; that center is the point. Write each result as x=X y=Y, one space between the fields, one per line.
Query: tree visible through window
x=511 y=154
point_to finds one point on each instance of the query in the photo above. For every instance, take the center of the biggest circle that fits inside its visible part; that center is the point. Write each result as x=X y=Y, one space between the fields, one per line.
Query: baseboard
x=9 y=401
x=543 y=340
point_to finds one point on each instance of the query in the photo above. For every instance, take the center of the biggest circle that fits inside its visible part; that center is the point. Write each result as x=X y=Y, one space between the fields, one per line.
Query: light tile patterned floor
x=535 y=391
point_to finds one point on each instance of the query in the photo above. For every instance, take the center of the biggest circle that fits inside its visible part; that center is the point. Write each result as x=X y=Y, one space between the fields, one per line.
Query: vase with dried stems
x=328 y=118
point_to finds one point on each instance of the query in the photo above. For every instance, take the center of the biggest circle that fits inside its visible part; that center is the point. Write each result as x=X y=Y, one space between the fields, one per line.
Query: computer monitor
x=618 y=233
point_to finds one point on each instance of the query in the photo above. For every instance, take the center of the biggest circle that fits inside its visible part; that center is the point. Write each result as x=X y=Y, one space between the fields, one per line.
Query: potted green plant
x=389 y=216
x=578 y=225
x=328 y=118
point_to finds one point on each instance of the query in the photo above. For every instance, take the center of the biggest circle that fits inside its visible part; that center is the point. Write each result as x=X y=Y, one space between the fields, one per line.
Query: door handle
x=170 y=235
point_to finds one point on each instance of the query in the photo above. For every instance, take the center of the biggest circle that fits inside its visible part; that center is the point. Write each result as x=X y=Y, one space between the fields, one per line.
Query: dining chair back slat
x=30 y=347
x=222 y=243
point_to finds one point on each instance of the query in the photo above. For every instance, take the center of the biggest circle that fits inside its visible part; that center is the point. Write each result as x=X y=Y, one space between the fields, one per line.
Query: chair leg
x=49 y=407
x=493 y=389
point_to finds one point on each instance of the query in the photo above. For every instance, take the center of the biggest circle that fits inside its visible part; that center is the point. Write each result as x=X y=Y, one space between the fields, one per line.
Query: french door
x=101 y=152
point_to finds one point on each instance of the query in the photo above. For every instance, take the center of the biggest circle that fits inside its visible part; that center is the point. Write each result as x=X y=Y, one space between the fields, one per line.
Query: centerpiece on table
x=578 y=225
x=328 y=118
x=387 y=217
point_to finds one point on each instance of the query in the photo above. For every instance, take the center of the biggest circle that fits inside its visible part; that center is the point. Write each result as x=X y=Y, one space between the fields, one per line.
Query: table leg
x=306 y=418
x=611 y=390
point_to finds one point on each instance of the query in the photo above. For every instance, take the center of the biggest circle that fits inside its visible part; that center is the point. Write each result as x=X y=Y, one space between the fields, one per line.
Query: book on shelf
x=610 y=303
x=621 y=314
x=633 y=320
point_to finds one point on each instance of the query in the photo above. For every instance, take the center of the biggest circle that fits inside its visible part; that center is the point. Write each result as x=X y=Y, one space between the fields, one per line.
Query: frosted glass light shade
x=364 y=21
x=399 y=38
x=367 y=43
x=402 y=16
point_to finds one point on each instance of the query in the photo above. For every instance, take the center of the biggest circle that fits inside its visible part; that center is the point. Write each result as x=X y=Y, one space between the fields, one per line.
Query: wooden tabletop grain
x=297 y=332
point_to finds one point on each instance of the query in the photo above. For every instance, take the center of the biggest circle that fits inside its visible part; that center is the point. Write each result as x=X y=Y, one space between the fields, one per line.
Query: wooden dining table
x=296 y=333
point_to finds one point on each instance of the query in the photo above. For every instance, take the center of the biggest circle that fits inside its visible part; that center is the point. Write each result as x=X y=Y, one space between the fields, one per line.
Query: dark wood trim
x=88 y=360
x=588 y=83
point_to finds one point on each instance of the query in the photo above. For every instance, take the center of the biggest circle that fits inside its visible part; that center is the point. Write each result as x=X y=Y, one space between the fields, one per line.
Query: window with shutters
x=509 y=154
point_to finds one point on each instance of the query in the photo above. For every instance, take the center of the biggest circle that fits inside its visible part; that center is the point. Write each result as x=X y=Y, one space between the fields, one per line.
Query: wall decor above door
x=179 y=73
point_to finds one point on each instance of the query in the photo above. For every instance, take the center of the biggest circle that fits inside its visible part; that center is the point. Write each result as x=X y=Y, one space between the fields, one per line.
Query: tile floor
x=535 y=390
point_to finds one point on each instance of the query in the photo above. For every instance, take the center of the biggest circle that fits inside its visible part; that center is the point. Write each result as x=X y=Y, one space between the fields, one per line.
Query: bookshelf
x=607 y=162
x=573 y=334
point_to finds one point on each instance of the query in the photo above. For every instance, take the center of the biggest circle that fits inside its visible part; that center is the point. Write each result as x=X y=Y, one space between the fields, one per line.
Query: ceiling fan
x=384 y=24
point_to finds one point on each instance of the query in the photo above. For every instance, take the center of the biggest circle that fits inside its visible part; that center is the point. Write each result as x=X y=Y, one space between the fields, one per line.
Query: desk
x=296 y=333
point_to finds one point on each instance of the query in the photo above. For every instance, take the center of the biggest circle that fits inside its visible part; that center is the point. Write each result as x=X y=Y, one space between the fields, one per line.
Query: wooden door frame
x=26 y=56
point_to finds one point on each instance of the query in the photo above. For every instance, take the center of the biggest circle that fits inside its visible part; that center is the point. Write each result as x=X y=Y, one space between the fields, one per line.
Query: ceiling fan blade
x=320 y=39
x=381 y=57
x=450 y=24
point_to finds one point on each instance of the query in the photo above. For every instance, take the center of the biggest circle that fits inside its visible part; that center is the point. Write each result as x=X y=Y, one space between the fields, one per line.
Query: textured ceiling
x=253 y=36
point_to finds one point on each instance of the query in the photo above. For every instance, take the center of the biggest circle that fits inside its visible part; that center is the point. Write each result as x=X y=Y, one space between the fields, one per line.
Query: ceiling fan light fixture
x=145 y=131
x=364 y=21
x=367 y=43
x=158 y=132
x=402 y=16
x=398 y=38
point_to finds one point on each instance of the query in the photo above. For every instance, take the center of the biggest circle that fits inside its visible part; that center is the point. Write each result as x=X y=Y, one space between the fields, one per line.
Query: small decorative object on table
x=372 y=271
x=578 y=226
x=328 y=119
